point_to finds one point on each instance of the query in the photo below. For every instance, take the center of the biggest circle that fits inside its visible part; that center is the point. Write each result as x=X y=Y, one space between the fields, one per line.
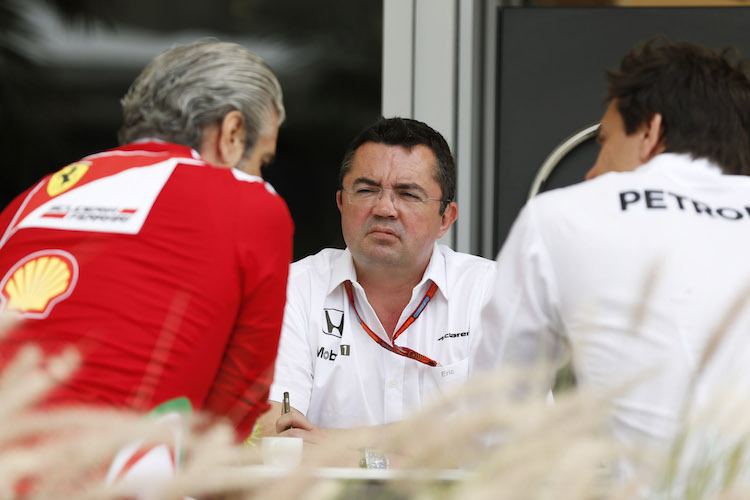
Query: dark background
x=57 y=105
x=327 y=55
x=551 y=82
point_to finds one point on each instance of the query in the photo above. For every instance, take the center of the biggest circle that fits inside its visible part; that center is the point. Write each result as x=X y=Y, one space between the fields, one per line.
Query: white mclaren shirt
x=338 y=376
x=633 y=273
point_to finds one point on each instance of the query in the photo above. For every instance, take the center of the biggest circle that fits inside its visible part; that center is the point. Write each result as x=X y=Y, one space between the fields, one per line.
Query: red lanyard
x=402 y=351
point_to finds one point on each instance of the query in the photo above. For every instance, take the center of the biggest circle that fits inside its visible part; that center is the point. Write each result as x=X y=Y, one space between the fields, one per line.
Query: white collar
x=343 y=270
x=682 y=161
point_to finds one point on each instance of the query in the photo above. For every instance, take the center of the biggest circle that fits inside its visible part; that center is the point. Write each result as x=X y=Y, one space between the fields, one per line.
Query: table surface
x=358 y=473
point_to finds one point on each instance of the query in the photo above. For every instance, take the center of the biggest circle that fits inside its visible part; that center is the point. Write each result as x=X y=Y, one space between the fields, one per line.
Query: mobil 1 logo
x=331 y=354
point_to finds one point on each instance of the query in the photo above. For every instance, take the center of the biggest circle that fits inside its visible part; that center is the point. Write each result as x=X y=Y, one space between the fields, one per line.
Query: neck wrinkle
x=395 y=282
x=388 y=293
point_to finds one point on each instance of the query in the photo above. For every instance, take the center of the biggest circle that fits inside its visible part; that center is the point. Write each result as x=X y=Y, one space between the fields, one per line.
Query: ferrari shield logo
x=66 y=178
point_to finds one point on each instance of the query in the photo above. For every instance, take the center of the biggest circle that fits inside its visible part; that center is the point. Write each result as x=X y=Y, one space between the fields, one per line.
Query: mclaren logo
x=453 y=335
x=66 y=178
x=37 y=282
x=334 y=322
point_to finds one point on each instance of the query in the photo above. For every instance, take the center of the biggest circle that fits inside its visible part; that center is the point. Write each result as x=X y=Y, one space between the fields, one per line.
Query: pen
x=285 y=404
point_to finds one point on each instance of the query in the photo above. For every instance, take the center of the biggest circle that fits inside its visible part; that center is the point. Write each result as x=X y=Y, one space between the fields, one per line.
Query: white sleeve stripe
x=245 y=177
x=11 y=229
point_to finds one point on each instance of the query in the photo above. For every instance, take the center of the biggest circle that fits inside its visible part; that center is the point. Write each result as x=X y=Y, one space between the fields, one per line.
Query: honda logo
x=334 y=324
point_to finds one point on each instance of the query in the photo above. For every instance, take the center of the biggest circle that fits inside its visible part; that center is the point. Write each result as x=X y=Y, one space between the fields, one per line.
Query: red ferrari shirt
x=166 y=273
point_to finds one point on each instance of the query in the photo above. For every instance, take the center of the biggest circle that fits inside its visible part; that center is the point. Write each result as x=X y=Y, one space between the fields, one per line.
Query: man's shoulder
x=661 y=171
x=454 y=258
x=227 y=178
x=153 y=152
x=460 y=265
x=245 y=179
x=311 y=276
x=321 y=263
x=585 y=199
x=584 y=190
x=223 y=190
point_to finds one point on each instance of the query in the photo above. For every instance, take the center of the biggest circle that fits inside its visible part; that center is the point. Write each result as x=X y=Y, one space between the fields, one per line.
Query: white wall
x=438 y=67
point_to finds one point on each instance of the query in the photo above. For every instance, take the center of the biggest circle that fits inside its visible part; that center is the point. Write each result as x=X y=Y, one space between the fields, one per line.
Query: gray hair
x=188 y=87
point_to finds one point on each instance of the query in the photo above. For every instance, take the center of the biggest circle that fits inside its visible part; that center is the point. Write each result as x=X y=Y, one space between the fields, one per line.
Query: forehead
x=393 y=164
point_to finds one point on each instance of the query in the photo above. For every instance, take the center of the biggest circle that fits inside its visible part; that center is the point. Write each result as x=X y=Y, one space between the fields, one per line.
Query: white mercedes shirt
x=338 y=376
x=631 y=273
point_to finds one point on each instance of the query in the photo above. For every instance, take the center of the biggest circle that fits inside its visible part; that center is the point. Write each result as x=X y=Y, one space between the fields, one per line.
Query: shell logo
x=33 y=286
x=67 y=177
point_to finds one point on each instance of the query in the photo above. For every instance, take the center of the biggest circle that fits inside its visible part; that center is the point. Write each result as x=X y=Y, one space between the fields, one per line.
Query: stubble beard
x=378 y=252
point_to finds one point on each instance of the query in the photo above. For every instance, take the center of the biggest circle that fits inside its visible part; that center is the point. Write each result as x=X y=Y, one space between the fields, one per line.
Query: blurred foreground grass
x=507 y=448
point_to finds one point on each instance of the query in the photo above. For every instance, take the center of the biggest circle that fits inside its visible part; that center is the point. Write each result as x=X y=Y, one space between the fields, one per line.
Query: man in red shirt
x=163 y=261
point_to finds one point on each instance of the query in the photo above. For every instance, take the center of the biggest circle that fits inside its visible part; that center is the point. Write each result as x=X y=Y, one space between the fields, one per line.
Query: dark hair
x=407 y=133
x=702 y=96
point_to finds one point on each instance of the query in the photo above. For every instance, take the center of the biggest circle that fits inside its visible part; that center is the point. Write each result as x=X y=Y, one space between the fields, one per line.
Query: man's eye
x=409 y=196
x=366 y=191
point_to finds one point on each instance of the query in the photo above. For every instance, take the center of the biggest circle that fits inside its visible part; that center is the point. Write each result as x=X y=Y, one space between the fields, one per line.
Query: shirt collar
x=158 y=146
x=436 y=271
x=343 y=269
x=680 y=161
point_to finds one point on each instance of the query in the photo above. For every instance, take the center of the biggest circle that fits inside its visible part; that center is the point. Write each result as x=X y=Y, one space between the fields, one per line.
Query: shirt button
x=394 y=384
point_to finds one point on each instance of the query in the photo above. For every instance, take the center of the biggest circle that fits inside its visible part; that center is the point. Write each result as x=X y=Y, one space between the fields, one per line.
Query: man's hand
x=347 y=442
x=295 y=424
x=292 y=424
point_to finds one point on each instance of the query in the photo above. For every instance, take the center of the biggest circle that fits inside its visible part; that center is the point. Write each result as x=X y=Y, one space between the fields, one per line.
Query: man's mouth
x=383 y=232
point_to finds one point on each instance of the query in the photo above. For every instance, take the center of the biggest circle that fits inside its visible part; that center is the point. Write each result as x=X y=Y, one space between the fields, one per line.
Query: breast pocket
x=438 y=379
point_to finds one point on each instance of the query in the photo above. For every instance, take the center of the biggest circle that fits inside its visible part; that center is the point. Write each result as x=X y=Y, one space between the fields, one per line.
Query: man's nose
x=385 y=205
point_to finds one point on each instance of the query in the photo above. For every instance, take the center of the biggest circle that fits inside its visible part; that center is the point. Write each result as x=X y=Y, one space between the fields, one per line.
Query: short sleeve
x=294 y=364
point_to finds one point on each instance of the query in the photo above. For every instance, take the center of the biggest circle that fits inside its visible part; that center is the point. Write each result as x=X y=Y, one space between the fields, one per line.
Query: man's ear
x=339 y=201
x=651 y=143
x=231 y=139
x=448 y=218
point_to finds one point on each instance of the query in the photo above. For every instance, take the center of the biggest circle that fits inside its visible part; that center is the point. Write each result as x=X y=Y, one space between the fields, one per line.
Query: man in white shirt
x=636 y=271
x=372 y=331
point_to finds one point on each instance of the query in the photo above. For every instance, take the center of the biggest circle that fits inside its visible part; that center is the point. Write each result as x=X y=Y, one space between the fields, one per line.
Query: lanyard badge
x=401 y=351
